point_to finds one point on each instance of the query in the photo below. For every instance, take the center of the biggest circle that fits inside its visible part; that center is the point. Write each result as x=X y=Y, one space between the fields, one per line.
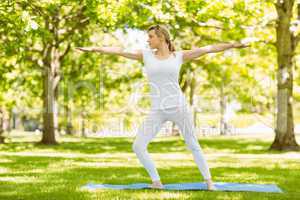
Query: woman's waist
x=172 y=91
x=167 y=95
x=164 y=103
x=174 y=99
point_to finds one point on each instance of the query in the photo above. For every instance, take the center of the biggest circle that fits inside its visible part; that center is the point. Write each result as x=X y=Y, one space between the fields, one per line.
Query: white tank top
x=163 y=76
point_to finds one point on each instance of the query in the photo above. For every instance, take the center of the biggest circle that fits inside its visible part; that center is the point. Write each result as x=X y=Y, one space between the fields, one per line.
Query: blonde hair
x=161 y=30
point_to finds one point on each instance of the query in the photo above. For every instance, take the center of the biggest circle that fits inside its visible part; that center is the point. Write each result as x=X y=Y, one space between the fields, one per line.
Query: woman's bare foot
x=157 y=185
x=210 y=184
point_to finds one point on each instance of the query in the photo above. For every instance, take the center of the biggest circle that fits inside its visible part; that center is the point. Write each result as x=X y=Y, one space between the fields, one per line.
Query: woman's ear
x=161 y=38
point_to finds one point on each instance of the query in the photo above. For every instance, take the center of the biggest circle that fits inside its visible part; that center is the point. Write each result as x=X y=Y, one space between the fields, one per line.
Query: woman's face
x=153 y=40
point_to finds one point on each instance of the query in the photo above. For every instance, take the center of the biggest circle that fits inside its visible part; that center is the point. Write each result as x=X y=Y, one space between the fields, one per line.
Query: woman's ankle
x=156 y=182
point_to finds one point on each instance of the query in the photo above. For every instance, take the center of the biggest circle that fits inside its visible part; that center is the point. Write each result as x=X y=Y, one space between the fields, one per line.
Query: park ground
x=32 y=171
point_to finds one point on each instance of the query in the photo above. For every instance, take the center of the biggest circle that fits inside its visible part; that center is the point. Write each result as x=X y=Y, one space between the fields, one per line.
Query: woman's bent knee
x=193 y=146
x=138 y=147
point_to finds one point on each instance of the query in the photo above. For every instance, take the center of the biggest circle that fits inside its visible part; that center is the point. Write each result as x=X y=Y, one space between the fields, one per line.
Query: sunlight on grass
x=98 y=164
x=4 y=170
x=254 y=147
x=68 y=166
x=4 y=160
x=229 y=197
x=19 y=179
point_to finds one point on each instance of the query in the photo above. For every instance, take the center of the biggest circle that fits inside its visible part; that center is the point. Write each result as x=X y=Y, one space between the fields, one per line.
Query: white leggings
x=182 y=116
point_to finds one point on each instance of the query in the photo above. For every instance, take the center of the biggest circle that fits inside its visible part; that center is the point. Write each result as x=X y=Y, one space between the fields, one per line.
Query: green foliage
x=106 y=81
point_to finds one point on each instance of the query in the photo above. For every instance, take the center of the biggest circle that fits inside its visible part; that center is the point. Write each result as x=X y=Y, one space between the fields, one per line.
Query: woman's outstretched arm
x=114 y=51
x=197 y=52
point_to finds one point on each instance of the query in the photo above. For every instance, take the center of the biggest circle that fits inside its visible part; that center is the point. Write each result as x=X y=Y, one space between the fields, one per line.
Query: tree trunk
x=50 y=83
x=1 y=125
x=14 y=120
x=55 y=113
x=48 y=114
x=83 y=131
x=69 y=128
x=285 y=136
x=223 y=121
x=9 y=120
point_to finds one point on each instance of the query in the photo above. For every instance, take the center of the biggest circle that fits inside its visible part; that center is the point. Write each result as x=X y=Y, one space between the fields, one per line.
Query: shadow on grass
x=238 y=145
x=158 y=145
x=64 y=182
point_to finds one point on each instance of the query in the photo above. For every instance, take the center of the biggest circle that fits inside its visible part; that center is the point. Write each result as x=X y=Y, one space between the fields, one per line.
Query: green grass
x=241 y=120
x=238 y=121
x=33 y=171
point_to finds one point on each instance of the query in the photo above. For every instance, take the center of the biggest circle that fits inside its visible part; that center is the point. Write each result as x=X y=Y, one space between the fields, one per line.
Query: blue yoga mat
x=220 y=186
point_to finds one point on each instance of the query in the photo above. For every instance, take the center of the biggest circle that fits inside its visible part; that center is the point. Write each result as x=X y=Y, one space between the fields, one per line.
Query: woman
x=167 y=100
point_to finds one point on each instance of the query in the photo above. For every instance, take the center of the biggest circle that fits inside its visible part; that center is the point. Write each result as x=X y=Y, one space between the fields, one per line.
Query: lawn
x=35 y=172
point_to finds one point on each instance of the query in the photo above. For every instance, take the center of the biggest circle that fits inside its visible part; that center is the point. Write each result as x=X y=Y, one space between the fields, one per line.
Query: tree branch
x=35 y=8
x=208 y=38
x=61 y=56
x=267 y=42
x=259 y=24
x=33 y=61
x=56 y=81
x=297 y=40
x=75 y=18
x=72 y=30
x=203 y=24
x=33 y=50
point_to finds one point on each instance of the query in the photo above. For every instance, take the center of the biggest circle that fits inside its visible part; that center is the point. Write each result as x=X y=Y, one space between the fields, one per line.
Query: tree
x=59 y=22
x=286 y=44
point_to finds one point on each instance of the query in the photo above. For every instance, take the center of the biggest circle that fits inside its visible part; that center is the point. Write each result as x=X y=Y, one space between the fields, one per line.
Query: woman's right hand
x=105 y=49
x=85 y=49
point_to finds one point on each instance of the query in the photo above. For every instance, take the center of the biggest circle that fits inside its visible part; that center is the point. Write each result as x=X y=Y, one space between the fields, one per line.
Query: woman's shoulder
x=178 y=52
x=146 y=52
x=179 y=55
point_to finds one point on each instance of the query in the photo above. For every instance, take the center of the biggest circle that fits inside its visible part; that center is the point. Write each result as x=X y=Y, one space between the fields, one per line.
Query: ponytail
x=170 y=45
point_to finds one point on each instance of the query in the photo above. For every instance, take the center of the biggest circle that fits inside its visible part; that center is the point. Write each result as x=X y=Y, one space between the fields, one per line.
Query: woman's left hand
x=240 y=45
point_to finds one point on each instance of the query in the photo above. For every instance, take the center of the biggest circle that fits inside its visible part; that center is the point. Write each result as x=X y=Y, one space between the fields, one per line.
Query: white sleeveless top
x=163 y=76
